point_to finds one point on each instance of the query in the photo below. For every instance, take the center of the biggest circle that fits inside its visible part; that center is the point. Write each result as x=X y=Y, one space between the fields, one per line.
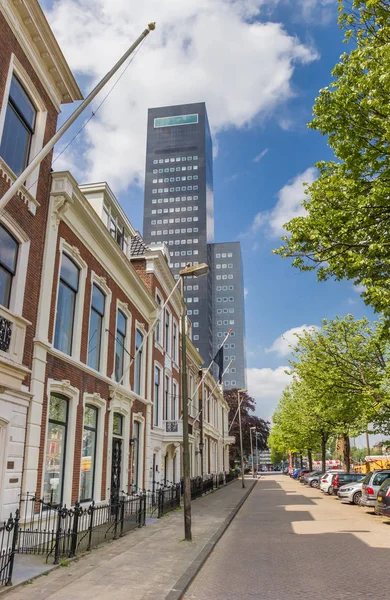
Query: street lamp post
x=241 y=445
x=257 y=454
x=253 y=462
x=195 y=271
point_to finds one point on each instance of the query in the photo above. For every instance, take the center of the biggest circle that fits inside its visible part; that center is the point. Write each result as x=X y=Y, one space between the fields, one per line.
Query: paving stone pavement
x=144 y=565
x=291 y=542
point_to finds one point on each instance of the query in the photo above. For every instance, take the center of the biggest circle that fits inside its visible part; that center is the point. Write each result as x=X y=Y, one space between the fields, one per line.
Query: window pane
x=15 y=141
x=138 y=363
x=95 y=339
x=69 y=272
x=5 y=287
x=121 y=325
x=98 y=300
x=117 y=425
x=22 y=102
x=88 y=455
x=58 y=409
x=8 y=250
x=119 y=356
x=55 y=450
x=90 y=417
x=64 y=318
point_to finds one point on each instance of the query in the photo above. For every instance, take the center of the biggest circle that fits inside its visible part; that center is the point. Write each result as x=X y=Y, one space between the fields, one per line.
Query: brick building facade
x=34 y=81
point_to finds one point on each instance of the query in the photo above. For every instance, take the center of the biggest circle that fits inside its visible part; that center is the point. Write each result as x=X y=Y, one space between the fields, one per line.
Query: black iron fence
x=55 y=531
x=8 y=537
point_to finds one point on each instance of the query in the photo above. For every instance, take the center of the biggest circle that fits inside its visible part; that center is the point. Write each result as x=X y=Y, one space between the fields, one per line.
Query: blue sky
x=258 y=64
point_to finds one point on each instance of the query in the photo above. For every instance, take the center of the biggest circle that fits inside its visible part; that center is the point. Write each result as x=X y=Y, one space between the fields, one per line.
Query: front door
x=116 y=469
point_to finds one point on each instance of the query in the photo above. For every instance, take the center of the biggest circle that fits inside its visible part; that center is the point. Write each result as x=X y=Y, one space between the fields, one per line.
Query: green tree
x=345 y=231
x=344 y=367
x=248 y=406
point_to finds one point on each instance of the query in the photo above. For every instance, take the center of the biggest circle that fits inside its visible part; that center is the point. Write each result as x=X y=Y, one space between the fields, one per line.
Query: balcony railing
x=12 y=334
x=174 y=428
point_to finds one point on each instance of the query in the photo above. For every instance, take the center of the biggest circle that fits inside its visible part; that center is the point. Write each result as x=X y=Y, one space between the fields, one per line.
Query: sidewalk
x=149 y=563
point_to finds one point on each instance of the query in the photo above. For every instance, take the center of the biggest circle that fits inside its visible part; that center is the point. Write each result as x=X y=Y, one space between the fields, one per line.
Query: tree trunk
x=323 y=452
x=309 y=456
x=301 y=460
x=346 y=453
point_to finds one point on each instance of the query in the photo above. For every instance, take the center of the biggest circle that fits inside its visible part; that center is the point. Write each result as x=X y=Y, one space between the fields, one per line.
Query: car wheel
x=357 y=497
x=330 y=490
x=314 y=484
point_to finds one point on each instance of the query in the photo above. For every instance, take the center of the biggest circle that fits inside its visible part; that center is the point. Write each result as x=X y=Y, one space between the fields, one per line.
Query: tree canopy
x=345 y=231
x=249 y=420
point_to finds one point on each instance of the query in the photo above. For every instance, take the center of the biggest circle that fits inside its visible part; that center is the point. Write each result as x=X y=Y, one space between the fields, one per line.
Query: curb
x=190 y=573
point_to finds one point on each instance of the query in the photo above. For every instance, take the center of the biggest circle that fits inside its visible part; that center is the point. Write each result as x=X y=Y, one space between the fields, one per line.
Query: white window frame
x=73 y=253
x=72 y=394
x=139 y=418
x=140 y=327
x=19 y=279
x=16 y=68
x=101 y=283
x=168 y=343
x=100 y=404
x=118 y=406
x=124 y=308
x=159 y=294
x=158 y=365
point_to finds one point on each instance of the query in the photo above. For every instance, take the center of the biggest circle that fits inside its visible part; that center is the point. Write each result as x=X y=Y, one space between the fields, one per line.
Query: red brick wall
x=33 y=226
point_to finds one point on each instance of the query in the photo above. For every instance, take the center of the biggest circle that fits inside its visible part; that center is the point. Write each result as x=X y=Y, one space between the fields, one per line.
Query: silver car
x=351 y=492
x=371 y=484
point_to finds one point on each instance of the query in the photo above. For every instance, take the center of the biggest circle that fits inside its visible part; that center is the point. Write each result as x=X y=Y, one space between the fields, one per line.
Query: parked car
x=371 y=484
x=382 y=505
x=313 y=478
x=351 y=492
x=302 y=473
x=326 y=482
x=341 y=479
x=295 y=473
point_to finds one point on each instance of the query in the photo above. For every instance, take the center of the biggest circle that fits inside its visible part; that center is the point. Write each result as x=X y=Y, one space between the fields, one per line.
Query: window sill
x=10 y=177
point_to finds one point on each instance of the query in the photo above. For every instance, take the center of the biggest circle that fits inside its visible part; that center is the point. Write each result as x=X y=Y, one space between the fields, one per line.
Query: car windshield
x=380 y=478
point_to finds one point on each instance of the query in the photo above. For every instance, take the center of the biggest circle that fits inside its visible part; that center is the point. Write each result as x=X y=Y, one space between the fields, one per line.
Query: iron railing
x=57 y=531
x=8 y=537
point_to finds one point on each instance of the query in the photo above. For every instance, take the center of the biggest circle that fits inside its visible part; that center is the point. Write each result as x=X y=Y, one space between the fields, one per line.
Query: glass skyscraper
x=179 y=211
x=179 y=203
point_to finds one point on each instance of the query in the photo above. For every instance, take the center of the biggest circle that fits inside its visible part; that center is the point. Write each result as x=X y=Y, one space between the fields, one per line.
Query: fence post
x=90 y=511
x=122 y=515
x=116 y=520
x=160 y=503
x=13 y=546
x=60 y=511
x=76 y=512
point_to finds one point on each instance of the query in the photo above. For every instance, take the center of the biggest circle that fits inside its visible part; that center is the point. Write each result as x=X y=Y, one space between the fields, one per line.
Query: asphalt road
x=291 y=542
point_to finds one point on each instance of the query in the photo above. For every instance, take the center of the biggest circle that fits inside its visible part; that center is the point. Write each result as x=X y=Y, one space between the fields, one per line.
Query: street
x=291 y=541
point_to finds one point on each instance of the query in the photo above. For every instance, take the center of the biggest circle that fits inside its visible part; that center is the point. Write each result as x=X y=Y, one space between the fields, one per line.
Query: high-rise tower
x=179 y=203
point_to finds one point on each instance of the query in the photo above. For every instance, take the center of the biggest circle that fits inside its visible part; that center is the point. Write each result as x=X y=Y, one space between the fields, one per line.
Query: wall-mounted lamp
x=201 y=446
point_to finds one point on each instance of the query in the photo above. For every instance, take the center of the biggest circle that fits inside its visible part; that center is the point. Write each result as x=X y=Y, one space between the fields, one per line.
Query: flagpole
x=209 y=367
x=212 y=391
x=17 y=184
x=238 y=408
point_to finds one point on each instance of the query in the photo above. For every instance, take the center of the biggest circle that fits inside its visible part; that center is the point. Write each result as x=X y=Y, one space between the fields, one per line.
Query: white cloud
x=288 y=205
x=246 y=292
x=316 y=11
x=260 y=156
x=224 y=52
x=282 y=345
x=359 y=289
x=266 y=386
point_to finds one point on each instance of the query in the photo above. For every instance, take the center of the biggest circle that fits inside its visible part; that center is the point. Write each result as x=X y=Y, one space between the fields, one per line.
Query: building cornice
x=30 y=27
